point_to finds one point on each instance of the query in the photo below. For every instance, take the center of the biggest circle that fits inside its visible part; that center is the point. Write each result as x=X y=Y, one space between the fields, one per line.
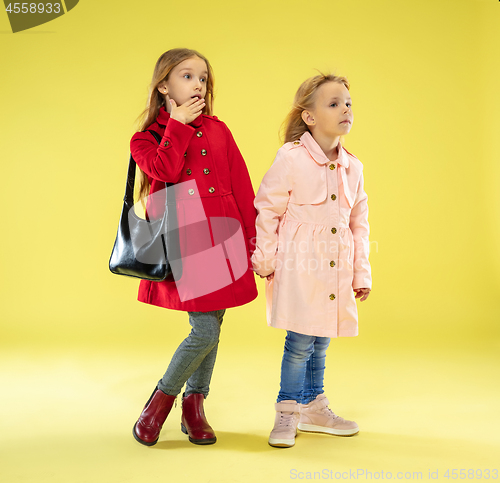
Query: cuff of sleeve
x=177 y=131
x=362 y=282
x=263 y=267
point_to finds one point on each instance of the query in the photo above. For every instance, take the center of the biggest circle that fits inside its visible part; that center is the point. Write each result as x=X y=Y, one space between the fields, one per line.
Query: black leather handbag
x=142 y=247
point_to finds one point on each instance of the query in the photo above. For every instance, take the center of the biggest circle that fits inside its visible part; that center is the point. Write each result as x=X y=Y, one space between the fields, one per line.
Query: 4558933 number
x=33 y=8
x=470 y=474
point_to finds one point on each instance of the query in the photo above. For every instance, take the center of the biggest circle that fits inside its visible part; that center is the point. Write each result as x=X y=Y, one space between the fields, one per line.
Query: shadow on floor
x=225 y=441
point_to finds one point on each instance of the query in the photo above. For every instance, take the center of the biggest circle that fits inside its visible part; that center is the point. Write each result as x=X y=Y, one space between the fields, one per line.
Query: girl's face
x=332 y=114
x=186 y=80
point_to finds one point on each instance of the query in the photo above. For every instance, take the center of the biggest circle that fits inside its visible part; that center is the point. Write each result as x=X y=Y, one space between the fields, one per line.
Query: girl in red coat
x=216 y=219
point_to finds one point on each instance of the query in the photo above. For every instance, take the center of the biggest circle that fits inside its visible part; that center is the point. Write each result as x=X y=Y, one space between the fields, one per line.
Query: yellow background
x=80 y=355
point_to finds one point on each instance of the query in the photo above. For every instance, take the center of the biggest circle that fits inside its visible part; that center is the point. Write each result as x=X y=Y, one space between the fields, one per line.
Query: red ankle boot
x=194 y=423
x=147 y=428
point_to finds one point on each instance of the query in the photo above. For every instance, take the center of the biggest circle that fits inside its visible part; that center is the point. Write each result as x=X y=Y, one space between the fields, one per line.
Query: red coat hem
x=190 y=306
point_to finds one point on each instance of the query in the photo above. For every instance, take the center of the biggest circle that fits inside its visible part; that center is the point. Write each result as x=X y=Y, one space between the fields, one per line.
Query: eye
x=187 y=76
x=203 y=79
x=349 y=104
x=333 y=104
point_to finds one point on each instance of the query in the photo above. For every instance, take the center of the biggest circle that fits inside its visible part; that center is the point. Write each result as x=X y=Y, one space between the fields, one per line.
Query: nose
x=198 y=84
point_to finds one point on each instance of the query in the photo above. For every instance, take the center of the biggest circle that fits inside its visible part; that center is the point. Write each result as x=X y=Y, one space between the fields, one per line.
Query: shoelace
x=328 y=412
x=286 y=419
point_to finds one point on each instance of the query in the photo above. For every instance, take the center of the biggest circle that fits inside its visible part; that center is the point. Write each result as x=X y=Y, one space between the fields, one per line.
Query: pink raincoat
x=312 y=231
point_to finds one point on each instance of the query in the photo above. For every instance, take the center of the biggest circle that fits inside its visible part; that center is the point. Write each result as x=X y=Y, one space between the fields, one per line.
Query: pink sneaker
x=285 y=424
x=317 y=417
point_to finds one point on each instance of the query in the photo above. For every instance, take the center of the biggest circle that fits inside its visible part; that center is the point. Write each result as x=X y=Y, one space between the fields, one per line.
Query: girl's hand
x=186 y=112
x=269 y=277
x=362 y=292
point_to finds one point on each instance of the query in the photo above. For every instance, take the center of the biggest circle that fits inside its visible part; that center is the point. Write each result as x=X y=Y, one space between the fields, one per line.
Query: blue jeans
x=193 y=361
x=302 y=367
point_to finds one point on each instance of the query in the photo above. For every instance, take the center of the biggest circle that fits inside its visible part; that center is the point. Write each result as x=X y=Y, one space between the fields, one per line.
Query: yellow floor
x=67 y=417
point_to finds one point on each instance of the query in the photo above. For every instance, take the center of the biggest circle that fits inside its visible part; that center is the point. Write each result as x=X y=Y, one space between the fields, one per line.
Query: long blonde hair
x=163 y=67
x=294 y=126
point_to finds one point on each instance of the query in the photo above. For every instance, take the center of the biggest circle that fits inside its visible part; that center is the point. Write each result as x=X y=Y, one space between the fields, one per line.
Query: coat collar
x=317 y=153
x=164 y=116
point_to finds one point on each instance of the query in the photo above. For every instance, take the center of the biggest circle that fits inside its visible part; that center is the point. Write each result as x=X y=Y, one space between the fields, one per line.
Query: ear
x=162 y=88
x=308 y=117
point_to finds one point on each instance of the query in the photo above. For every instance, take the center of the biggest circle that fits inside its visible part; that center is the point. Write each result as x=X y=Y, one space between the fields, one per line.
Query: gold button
x=332 y=296
x=203 y=152
x=206 y=171
x=333 y=197
x=191 y=191
x=296 y=143
x=165 y=143
x=332 y=263
x=211 y=190
x=334 y=230
x=185 y=154
x=188 y=171
x=332 y=166
x=199 y=134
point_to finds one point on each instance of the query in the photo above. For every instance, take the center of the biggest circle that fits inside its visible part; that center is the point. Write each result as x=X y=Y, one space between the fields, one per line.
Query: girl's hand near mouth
x=186 y=112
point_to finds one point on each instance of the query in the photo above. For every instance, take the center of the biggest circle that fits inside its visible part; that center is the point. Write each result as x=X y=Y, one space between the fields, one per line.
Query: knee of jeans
x=299 y=343
x=210 y=338
x=299 y=352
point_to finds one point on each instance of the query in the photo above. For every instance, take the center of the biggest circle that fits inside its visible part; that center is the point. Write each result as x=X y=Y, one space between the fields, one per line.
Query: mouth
x=197 y=96
x=345 y=122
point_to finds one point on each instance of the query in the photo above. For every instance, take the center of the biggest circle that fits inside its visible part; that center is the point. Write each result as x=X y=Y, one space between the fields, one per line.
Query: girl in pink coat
x=312 y=246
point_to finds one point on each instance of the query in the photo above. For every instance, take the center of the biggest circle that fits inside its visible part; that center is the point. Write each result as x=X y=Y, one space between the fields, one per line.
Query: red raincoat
x=203 y=151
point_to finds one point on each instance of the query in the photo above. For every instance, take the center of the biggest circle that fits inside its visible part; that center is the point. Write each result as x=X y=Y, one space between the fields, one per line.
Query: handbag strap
x=129 y=188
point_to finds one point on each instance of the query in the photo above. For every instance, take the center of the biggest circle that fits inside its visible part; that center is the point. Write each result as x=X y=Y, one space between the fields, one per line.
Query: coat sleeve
x=165 y=161
x=271 y=203
x=241 y=186
x=360 y=229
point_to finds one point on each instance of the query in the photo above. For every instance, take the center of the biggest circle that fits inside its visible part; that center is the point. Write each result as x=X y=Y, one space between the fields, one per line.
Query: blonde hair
x=294 y=126
x=163 y=67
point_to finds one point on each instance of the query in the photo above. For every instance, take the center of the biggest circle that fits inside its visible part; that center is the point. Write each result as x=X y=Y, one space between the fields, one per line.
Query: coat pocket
x=307 y=193
x=309 y=186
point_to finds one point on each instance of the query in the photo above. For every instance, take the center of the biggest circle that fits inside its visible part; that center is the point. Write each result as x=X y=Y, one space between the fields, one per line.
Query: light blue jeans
x=193 y=361
x=302 y=367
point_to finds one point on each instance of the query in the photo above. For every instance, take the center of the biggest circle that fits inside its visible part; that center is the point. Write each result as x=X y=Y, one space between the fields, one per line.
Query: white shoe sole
x=282 y=443
x=311 y=428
